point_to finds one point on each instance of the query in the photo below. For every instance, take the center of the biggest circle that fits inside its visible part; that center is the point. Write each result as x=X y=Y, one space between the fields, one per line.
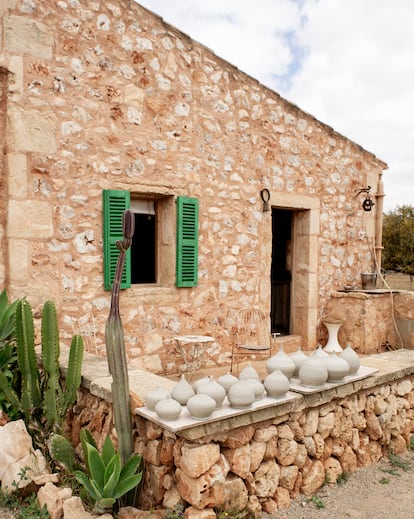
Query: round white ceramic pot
x=168 y=408
x=298 y=358
x=281 y=361
x=213 y=389
x=276 y=384
x=257 y=386
x=227 y=381
x=154 y=396
x=313 y=372
x=351 y=356
x=337 y=367
x=249 y=372
x=182 y=391
x=241 y=395
x=201 y=406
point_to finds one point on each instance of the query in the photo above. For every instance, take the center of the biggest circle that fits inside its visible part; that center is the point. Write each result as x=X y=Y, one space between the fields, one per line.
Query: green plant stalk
x=26 y=359
x=52 y=394
x=57 y=400
x=74 y=373
x=115 y=347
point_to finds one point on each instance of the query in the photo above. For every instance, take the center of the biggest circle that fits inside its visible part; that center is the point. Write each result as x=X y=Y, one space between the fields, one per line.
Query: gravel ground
x=380 y=491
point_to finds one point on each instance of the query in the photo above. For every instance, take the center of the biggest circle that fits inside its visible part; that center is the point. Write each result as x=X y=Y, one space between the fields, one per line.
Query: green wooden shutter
x=187 y=242
x=114 y=205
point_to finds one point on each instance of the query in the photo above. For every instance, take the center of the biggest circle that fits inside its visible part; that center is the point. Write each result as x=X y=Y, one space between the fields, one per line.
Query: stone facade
x=105 y=95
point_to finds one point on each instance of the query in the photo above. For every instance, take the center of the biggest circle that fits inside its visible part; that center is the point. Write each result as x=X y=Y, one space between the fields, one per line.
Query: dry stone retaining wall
x=264 y=465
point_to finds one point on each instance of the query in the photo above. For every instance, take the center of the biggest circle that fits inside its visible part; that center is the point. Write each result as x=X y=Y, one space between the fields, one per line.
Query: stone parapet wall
x=263 y=461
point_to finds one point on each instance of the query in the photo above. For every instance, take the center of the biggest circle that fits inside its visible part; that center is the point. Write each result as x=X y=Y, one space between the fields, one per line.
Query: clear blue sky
x=350 y=63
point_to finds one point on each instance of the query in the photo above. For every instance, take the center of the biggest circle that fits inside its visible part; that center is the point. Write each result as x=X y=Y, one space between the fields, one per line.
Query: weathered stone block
x=197 y=459
x=313 y=478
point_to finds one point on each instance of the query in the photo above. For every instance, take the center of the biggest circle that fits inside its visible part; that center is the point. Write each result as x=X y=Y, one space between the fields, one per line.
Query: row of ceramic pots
x=317 y=368
x=208 y=394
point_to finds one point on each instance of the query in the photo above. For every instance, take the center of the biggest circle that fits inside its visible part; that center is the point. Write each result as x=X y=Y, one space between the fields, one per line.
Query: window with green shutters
x=114 y=204
x=187 y=242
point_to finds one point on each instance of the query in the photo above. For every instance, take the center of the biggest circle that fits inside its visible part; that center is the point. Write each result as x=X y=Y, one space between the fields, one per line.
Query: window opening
x=144 y=242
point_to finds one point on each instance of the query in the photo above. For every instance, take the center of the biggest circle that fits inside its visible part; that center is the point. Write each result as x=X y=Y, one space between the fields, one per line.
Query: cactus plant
x=115 y=347
x=41 y=398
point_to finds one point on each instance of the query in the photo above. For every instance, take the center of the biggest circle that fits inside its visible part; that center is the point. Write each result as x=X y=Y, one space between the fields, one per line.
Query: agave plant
x=107 y=479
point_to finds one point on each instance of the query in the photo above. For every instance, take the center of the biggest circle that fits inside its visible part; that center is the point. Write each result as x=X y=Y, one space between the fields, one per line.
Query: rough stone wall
x=265 y=465
x=105 y=95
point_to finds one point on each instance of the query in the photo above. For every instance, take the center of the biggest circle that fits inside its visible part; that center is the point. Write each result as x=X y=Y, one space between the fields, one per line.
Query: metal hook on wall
x=265 y=196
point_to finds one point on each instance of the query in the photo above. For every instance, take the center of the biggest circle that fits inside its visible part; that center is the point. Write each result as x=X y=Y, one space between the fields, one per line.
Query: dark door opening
x=281 y=270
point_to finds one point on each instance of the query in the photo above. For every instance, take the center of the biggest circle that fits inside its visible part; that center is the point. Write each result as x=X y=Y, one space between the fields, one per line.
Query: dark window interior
x=143 y=249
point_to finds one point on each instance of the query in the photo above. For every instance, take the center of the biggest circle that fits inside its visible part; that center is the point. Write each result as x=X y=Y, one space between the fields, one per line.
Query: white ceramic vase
x=298 y=358
x=168 y=408
x=249 y=372
x=201 y=380
x=227 y=381
x=313 y=372
x=201 y=406
x=337 y=367
x=333 y=344
x=241 y=395
x=257 y=386
x=212 y=389
x=276 y=384
x=182 y=391
x=154 y=396
x=351 y=356
x=281 y=361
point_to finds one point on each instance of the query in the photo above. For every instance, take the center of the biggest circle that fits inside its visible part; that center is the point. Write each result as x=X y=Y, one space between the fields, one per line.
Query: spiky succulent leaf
x=108 y=450
x=131 y=466
x=112 y=472
x=90 y=488
x=126 y=485
x=86 y=438
x=95 y=466
x=9 y=393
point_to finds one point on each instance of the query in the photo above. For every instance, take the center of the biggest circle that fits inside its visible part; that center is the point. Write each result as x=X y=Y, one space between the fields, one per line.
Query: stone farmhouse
x=242 y=199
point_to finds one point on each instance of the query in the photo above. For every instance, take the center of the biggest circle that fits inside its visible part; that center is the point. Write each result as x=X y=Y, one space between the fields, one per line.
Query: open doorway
x=281 y=270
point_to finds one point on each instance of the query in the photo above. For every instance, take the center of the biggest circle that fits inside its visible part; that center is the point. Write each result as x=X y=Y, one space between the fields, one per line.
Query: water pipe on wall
x=378 y=222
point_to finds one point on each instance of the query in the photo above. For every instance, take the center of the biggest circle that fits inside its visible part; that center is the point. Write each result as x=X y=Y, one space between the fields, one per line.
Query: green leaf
x=112 y=472
x=127 y=484
x=130 y=467
x=83 y=479
x=108 y=451
x=95 y=466
x=105 y=503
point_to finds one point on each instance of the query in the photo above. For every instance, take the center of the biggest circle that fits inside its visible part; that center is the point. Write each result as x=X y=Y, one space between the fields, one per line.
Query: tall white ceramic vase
x=332 y=346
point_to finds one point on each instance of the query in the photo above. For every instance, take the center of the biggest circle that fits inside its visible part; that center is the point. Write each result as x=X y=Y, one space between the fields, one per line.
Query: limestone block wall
x=262 y=464
x=106 y=95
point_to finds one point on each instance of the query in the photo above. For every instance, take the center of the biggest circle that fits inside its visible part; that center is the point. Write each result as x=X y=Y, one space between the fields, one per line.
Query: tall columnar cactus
x=26 y=359
x=115 y=347
x=57 y=400
x=42 y=398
